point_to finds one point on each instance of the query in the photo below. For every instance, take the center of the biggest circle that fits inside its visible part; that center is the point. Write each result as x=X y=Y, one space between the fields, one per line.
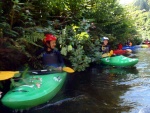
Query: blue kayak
x=133 y=48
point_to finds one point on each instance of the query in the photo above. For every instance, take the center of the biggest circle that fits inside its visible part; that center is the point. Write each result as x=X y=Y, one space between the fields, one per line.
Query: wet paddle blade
x=68 y=69
x=4 y=75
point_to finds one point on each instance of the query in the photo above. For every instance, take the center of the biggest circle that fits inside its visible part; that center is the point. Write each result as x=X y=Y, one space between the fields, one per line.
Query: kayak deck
x=40 y=89
x=120 y=61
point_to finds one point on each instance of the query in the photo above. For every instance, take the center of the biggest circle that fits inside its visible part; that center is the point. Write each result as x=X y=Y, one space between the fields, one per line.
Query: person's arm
x=104 y=49
x=61 y=61
x=107 y=49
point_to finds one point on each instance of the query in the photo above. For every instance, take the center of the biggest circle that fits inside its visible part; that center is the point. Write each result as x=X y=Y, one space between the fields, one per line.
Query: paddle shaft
x=9 y=74
x=44 y=71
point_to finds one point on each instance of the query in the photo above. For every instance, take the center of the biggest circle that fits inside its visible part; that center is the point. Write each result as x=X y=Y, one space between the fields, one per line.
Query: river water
x=103 y=90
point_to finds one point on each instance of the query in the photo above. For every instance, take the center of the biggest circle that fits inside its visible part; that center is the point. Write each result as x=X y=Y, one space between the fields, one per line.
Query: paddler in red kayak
x=128 y=43
x=120 y=46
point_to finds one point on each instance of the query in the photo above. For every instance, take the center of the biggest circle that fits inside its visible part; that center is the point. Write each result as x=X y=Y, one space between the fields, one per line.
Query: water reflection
x=115 y=74
x=93 y=91
x=138 y=95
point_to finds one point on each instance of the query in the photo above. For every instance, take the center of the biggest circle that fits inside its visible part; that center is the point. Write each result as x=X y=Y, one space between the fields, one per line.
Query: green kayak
x=40 y=89
x=120 y=61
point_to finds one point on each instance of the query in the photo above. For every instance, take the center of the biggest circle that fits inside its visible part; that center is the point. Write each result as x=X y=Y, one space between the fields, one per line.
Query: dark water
x=103 y=90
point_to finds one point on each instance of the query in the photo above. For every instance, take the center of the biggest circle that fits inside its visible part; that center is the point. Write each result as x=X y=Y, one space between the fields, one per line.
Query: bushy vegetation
x=78 y=24
x=139 y=12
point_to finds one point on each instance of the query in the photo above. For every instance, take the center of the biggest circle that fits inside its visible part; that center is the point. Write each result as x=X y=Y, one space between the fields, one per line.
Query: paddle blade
x=106 y=55
x=68 y=69
x=111 y=52
x=4 y=75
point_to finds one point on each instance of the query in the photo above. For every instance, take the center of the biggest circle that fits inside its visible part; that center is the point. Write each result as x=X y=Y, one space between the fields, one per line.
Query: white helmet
x=105 y=38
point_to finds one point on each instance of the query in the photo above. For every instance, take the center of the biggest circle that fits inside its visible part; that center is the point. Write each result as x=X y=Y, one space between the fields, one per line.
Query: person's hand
x=59 y=68
x=111 y=52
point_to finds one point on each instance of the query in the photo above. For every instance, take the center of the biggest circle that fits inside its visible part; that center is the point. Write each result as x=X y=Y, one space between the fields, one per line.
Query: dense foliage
x=78 y=24
x=139 y=11
x=141 y=4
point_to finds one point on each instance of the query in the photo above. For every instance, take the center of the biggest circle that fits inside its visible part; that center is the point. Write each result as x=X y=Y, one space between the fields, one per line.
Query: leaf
x=64 y=51
x=69 y=48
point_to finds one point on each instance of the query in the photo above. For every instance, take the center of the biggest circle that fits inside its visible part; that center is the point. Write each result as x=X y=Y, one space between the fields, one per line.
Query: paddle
x=4 y=75
x=108 y=54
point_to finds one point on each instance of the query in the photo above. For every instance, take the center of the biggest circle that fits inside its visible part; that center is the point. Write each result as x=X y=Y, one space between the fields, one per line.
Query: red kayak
x=120 y=51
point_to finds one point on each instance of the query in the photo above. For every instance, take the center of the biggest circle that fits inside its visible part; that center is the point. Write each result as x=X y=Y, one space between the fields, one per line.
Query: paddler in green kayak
x=50 y=56
x=105 y=48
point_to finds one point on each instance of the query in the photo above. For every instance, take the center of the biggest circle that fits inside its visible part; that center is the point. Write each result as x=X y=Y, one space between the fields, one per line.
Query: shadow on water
x=103 y=90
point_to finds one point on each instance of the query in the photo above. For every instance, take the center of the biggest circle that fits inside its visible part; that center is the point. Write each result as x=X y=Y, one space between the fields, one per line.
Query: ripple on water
x=145 y=110
x=59 y=103
x=142 y=65
x=138 y=95
x=106 y=90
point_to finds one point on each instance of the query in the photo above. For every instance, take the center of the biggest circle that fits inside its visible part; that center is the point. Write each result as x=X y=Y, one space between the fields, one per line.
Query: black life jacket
x=51 y=58
x=105 y=49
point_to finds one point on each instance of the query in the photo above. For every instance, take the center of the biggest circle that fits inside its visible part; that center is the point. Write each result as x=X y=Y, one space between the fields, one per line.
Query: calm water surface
x=102 y=90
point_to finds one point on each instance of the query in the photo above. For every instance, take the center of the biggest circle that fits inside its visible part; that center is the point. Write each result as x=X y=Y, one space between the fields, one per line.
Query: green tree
x=78 y=24
x=141 y=4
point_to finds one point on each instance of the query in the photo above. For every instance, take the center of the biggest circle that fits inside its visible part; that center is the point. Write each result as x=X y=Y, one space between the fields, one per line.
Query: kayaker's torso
x=120 y=46
x=105 y=49
x=52 y=58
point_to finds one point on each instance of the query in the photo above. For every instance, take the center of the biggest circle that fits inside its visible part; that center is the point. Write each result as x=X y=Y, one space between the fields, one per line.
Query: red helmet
x=50 y=37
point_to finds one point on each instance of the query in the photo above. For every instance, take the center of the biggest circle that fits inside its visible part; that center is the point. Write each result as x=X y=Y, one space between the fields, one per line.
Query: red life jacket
x=120 y=46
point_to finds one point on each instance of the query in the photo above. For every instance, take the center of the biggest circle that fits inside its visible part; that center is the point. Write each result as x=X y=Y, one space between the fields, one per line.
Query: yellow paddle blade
x=144 y=46
x=106 y=55
x=68 y=69
x=111 y=52
x=4 y=75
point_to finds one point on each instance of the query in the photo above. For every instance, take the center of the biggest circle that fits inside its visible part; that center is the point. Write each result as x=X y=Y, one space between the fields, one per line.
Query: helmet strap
x=49 y=47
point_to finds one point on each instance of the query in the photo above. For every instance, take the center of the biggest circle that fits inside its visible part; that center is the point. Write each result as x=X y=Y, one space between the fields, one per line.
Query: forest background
x=79 y=26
